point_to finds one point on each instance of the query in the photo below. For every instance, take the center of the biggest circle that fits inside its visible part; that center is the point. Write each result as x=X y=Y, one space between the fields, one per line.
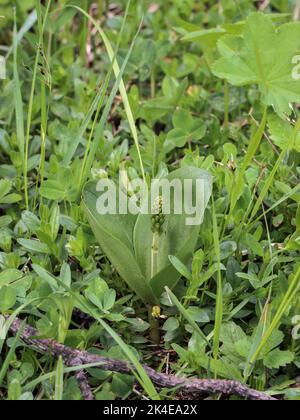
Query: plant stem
x=219 y=297
x=31 y=99
x=289 y=144
x=154 y=327
x=238 y=185
x=226 y=104
x=84 y=35
x=154 y=253
x=44 y=107
x=153 y=82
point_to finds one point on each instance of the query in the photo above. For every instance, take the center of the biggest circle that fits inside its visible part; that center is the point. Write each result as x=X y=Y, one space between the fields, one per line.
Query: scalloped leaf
x=263 y=55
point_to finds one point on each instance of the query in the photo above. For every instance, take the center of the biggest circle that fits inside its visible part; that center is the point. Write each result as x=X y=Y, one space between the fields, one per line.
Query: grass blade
x=186 y=315
x=44 y=108
x=59 y=380
x=97 y=103
x=29 y=23
x=252 y=148
x=30 y=106
x=139 y=373
x=95 y=107
x=271 y=177
x=11 y=353
x=286 y=197
x=219 y=299
x=101 y=127
x=18 y=94
x=30 y=386
x=89 y=156
x=122 y=89
x=286 y=302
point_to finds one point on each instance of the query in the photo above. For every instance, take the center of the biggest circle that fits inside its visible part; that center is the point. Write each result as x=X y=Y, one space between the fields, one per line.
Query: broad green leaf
x=227 y=248
x=16 y=280
x=11 y=199
x=180 y=267
x=31 y=221
x=183 y=119
x=171 y=324
x=198 y=315
x=65 y=274
x=263 y=55
x=115 y=236
x=48 y=278
x=230 y=334
x=127 y=239
x=34 y=246
x=157 y=108
x=7 y=298
x=9 y=276
x=5 y=221
x=53 y=190
x=206 y=37
x=5 y=187
x=109 y=299
x=178 y=239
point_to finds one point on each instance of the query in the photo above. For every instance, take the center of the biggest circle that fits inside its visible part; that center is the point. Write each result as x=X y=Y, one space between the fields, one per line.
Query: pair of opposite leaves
x=127 y=239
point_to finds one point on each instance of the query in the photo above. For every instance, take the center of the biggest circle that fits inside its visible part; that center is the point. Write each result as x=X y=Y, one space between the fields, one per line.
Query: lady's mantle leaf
x=281 y=131
x=263 y=55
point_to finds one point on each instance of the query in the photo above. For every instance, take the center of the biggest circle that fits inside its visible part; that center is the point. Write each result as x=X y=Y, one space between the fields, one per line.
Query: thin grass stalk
x=30 y=110
x=252 y=149
x=11 y=354
x=18 y=94
x=219 y=299
x=122 y=87
x=84 y=34
x=97 y=103
x=84 y=168
x=278 y=203
x=287 y=300
x=226 y=104
x=59 y=380
x=271 y=177
x=44 y=110
x=95 y=107
x=105 y=114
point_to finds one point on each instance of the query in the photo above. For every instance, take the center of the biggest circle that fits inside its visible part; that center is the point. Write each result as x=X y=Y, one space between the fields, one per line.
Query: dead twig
x=82 y=381
x=296 y=14
x=188 y=387
x=264 y=5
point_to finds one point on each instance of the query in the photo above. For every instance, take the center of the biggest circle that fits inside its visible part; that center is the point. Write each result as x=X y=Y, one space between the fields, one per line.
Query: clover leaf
x=186 y=129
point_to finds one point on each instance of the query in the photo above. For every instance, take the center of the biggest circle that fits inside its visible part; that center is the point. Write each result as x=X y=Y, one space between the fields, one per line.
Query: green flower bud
x=158 y=218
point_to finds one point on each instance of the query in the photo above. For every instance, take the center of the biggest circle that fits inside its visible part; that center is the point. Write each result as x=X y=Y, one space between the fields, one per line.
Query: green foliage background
x=231 y=313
